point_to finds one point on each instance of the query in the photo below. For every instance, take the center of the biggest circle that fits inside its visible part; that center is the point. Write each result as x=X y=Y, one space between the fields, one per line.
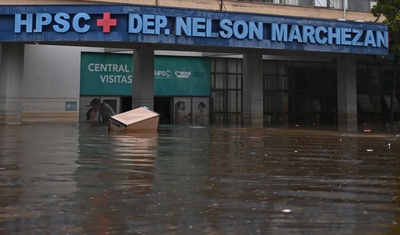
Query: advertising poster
x=97 y=109
x=182 y=110
x=200 y=111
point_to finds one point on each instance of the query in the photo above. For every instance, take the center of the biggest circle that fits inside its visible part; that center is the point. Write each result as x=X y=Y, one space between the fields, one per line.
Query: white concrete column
x=11 y=75
x=347 y=93
x=253 y=90
x=143 y=77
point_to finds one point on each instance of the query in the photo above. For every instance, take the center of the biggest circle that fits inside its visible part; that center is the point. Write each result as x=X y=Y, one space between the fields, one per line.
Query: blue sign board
x=145 y=24
x=71 y=106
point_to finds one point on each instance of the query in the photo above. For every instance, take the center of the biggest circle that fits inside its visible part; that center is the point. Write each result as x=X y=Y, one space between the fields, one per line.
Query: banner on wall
x=181 y=76
x=106 y=74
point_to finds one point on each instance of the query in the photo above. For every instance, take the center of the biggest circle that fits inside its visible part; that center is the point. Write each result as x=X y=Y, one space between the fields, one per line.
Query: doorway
x=126 y=103
x=162 y=105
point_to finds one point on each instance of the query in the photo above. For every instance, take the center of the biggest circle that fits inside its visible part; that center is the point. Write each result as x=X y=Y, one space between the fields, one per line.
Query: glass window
x=309 y=94
x=276 y=83
x=282 y=68
x=301 y=79
x=270 y=67
x=387 y=85
x=218 y=101
x=301 y=83
x=219 y=81
x=317 y=70
x=337 y=4
x=239 y=101
x=232 y=101
x=232 y=81
x=317 y=77
x=353 y=5
x=387 y=72
x=291 y=2
x=220 y=66
x=234 y=118
x=301 y=102
x=275 y=102
x=212 y=67
x=359 y=5
x=318 y=85
x=218 y=118
x=226 y=91
x=234 y=66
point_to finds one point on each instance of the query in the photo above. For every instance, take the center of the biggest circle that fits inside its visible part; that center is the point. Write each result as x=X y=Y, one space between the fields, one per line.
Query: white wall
x=51 y=78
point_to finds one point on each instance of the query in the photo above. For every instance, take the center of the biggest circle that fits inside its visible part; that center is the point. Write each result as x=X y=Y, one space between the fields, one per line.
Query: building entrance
x=300 y=93
x=162 y=105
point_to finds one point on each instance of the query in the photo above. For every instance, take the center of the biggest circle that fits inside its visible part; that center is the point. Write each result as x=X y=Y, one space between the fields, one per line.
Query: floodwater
x=64 y=179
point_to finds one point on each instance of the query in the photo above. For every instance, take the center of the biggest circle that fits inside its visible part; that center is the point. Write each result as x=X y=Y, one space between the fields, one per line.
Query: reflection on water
x=63 y=179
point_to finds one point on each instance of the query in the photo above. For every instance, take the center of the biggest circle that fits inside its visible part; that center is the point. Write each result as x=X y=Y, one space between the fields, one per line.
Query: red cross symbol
x=106 y=22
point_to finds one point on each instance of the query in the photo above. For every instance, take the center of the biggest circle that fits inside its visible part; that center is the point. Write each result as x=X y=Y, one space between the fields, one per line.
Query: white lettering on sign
x=183 y=74
x=116 y=79
x=201 y=27
x=162 y=74
x=328 y=35
x=61 y=22
x=93 y=67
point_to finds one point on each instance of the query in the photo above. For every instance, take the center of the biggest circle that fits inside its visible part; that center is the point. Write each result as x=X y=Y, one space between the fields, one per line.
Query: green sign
x=181 y=76
x=106 y=74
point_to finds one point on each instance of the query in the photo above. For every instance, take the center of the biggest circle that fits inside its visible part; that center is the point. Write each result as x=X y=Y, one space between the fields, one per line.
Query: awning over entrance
x=174 y=26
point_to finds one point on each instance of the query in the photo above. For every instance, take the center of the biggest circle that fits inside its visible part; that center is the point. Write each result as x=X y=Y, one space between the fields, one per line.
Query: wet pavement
x=64 y=179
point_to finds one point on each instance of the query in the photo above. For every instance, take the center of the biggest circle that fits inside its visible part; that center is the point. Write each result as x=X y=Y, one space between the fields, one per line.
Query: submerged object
x=136 y=120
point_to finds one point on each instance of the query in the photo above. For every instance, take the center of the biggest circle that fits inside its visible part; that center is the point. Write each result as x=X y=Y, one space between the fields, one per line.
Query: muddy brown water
x=68 y=179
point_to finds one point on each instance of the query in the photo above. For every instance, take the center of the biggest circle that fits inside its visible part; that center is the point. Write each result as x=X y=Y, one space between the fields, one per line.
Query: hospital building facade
x=314 y=63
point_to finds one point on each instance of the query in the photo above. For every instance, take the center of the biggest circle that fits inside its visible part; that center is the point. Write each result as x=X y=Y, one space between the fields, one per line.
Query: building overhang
x=163 y=27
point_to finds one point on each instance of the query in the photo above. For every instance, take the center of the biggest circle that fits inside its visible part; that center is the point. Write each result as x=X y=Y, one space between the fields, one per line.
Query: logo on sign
x=163 y=74
x=183 y=74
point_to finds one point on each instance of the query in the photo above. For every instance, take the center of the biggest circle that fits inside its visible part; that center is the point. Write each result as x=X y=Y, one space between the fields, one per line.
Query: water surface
x=68 y=179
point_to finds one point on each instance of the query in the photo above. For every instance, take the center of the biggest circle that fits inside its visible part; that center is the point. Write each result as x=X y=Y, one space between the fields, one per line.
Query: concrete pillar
x=253 y=90
x=11 y=75
x=143 y=77
x=347 y=93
